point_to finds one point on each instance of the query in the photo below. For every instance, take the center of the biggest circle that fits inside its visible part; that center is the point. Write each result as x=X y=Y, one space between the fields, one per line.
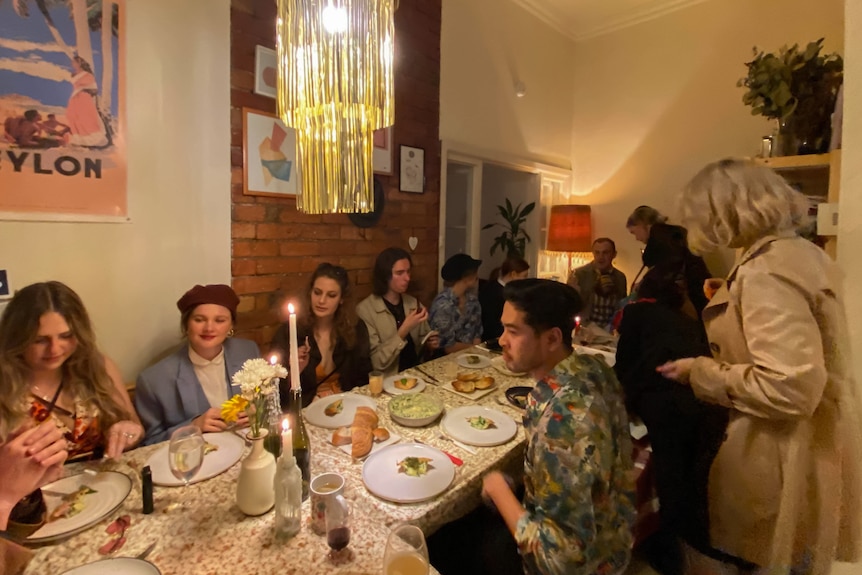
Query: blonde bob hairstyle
x=733 y=203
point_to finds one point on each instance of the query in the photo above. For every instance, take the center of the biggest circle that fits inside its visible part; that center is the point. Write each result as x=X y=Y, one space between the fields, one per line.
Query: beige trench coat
x=386 y=345
x=784 y=488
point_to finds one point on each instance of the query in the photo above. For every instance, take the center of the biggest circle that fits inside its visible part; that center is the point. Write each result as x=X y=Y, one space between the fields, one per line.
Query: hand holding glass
x=186 y=452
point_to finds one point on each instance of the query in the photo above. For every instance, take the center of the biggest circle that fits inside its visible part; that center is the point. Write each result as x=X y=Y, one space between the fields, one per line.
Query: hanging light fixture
x=335 y=87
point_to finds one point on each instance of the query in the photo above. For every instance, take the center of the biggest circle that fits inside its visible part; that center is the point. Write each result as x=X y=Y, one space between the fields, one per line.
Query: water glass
x=186 y=452
x=406 y=552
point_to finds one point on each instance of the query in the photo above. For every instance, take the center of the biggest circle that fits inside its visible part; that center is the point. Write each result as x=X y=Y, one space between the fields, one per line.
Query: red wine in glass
x=338 y=538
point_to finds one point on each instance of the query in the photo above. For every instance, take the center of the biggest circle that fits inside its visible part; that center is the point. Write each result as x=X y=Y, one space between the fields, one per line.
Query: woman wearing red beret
x=189 y=386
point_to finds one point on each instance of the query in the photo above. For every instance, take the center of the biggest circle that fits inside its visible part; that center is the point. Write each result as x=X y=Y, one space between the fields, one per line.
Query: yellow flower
x=232 y=408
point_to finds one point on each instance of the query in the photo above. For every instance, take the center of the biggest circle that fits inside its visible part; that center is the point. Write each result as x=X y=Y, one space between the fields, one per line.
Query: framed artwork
x=265 y=73
x=383 y=148
x=269 y=166
x=62 y=112
x=412 y=170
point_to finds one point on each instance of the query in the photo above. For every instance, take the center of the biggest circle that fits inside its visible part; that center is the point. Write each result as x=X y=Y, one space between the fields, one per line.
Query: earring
x=230 y=333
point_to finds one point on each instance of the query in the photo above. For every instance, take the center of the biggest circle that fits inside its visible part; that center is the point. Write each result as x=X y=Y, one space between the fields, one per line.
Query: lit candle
x=286 y=438
x=294 y=350
x=577 y=321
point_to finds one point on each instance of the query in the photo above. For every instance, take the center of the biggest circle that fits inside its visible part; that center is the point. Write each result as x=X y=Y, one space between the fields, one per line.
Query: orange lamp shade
x=570 y=229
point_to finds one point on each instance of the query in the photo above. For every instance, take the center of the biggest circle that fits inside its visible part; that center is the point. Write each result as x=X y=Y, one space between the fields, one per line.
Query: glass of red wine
x=338 y=529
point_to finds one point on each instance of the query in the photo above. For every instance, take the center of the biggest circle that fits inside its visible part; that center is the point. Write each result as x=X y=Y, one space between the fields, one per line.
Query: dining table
x=198 y=529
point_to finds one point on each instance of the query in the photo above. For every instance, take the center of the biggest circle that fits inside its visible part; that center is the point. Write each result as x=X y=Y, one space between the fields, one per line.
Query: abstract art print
x=62 y=150
x=269 y=156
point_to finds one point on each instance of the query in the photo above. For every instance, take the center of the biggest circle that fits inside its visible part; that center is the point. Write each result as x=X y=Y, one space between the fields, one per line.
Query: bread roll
x=341 y=436
x=468 y=376
x=365 y=417
x=485 y=382
x=464 y=386
x=380 y=434
x=362 y=439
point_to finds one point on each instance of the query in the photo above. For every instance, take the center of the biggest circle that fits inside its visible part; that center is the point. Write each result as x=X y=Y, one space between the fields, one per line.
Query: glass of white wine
x=406 y=552
x=186 y=452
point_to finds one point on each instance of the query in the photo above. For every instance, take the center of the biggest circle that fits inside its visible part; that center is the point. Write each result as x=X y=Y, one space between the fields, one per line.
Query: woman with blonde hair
x=51 y=368
x=784 y=488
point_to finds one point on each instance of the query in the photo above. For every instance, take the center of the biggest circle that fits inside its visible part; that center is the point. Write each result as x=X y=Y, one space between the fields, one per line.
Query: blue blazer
x=168 y=394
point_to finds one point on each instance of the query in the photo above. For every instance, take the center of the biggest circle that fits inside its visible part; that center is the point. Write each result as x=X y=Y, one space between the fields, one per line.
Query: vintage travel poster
x=62 y=150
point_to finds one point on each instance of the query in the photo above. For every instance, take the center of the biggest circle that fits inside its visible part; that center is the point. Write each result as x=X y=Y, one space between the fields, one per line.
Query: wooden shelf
x=797 y=162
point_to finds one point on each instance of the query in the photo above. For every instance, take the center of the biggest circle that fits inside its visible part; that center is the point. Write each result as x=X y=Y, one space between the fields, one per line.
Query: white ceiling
x=584 y=19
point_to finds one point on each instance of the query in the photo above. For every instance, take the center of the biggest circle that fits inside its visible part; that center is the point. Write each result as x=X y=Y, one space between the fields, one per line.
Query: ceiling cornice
x=592 y=30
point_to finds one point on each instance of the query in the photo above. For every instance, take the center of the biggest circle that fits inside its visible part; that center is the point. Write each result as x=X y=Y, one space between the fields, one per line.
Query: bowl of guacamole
x=415 y=409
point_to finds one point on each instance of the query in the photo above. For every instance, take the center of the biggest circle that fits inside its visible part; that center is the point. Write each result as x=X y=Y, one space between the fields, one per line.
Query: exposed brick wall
x=275 y=248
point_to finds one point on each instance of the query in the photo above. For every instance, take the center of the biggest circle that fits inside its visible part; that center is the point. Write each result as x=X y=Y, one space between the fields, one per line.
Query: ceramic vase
x=254 y=487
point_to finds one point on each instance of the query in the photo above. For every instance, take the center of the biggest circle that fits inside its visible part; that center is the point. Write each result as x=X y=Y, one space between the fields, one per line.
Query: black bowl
x=517 y=395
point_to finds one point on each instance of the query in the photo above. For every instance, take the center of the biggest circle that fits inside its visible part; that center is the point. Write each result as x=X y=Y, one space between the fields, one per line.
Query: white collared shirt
x=212 y=376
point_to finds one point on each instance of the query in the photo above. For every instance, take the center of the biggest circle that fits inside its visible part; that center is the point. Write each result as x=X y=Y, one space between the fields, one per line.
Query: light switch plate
x=827 y=219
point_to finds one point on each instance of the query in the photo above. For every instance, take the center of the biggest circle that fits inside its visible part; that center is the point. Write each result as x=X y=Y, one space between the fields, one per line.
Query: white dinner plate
x=111 y=489
x=473 y=361
x=610 y=358
x=124 y=565
x=500 y=365
x=455 y=424
x=389 y=384
x=382 y=478
x=230 y=449
x=314 y=413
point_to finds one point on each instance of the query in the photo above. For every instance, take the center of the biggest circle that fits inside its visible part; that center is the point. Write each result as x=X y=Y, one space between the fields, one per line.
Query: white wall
x=130 y=275
x=486 y=46
x=655 y=102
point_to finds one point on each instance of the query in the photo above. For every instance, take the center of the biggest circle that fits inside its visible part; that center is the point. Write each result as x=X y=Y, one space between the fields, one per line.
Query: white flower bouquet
x=258 y=380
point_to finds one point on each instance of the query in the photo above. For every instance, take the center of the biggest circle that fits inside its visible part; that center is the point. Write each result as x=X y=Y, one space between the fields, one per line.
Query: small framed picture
x=269 y=166
x=382 y=153
x=412 y=170
x=265 y=73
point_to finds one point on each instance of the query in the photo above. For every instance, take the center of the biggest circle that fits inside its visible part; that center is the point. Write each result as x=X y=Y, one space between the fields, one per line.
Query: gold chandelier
x=335 y=87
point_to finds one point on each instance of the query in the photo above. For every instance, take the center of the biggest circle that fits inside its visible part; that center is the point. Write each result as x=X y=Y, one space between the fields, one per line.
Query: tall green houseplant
x=514 y=238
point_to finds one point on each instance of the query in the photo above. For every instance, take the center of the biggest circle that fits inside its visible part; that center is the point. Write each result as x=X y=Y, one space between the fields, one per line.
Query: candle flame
x=285 y=424
x=290 y=308
x=273 y=359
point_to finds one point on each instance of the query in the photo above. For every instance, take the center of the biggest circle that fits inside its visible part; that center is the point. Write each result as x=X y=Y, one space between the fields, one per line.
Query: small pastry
x=464 y=386
x=405 y=383
x=380 y=434
x=485 y=382
x=334 y=408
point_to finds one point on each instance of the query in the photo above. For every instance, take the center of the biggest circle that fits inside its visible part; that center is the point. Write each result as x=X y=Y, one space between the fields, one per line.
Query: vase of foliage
x=257 y=380
x=514 y=238
x=796 y=87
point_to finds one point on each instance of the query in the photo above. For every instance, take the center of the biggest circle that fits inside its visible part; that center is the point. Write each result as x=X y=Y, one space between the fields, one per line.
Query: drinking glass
x=406 y=552
x=375 y=383
x=337 y=517
x=186 y=452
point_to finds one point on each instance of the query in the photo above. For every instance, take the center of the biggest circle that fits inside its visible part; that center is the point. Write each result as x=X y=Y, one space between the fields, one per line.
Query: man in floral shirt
x=578 y=509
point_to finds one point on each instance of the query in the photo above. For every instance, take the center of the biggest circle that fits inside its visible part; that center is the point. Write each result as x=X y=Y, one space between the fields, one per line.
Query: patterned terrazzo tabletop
x=199 y=529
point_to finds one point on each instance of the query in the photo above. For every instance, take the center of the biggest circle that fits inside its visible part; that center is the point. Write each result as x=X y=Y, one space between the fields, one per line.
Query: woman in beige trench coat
x=784 y=488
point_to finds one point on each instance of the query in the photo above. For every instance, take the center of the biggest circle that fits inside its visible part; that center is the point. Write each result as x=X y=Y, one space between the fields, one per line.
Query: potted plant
x=797 y=88
x=513 y=240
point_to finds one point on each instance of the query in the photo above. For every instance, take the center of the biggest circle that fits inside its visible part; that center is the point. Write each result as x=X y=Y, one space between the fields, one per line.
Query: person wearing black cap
x=455 y=313
x=189 y=386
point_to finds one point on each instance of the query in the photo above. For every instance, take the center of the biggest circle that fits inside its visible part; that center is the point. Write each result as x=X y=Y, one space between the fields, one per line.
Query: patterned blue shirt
x=453 y=326
x=578 y=478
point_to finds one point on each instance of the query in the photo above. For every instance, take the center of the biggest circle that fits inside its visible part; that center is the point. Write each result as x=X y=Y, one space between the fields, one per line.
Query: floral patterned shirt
x=453 y=326
x=579 y=489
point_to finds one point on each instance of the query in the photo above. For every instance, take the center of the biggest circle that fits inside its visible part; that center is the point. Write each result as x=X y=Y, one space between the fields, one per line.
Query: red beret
x=218 y=294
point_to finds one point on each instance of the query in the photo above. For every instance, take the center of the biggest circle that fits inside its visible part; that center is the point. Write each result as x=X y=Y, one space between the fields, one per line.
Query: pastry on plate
x=414 y=466
x=380 y=434
x=334 y=408
x=480 y=422
x=468 y=376
x=464 y=386
x=405 y=383
x=485 y=382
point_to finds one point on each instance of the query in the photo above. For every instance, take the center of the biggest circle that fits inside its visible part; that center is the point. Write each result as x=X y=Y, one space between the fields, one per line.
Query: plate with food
x=415 y=409
x=403 y=383
x=471 y=385
x=125 y=565
x=500 y=365
x=221 y=452
x=334 y=411
x=408 y=473
x=478 y=425
x=78 y=502
x=473 y=361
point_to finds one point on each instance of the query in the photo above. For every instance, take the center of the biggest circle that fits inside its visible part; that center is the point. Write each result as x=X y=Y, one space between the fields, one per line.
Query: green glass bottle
x=301 y=443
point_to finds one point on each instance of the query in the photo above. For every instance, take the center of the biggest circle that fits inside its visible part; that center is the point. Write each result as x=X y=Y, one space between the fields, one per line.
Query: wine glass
x=406 y=552
x=337 y=517
x=186 y=452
